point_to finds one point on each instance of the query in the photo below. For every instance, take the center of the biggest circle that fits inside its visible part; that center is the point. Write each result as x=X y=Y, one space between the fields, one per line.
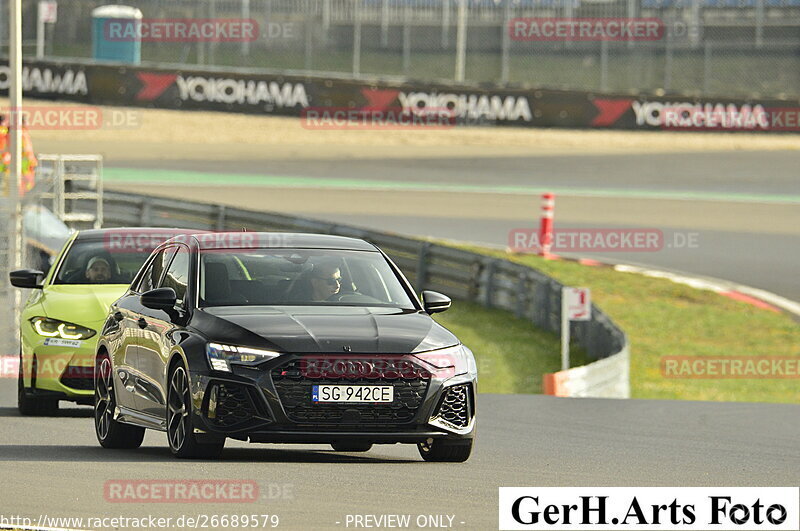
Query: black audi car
x=281 y=338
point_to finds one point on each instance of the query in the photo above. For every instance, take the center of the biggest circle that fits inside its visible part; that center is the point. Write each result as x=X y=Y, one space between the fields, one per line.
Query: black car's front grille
x=229 y=405
x=294 y=388
x=78 y=378
x=455 y=408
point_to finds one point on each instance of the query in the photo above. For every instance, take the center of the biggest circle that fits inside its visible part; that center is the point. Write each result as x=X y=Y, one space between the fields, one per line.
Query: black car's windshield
x=299 y=277
x=97 y=262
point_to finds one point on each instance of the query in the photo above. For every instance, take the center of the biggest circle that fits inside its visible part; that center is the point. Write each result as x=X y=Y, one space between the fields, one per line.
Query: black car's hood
x=337 y=329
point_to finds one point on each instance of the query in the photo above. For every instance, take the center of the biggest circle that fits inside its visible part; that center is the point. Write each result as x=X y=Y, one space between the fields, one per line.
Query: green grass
x=662 y=318
x=510 y=352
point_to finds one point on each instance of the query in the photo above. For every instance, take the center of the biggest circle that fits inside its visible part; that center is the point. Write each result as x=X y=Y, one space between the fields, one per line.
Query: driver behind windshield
x=98 y=271
x=326 y=281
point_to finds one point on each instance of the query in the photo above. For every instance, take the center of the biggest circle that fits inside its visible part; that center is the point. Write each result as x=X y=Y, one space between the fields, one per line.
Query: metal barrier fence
x=492 y=282
x=708 y=47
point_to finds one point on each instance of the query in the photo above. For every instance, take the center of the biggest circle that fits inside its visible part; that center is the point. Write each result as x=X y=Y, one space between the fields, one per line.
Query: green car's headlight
x=221 y=356
x=47 y=327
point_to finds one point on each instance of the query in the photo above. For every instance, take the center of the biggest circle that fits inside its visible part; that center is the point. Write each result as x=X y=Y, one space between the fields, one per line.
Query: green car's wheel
x=110 y=433
x=444 y=451
x=180 y=431
x=29 y=404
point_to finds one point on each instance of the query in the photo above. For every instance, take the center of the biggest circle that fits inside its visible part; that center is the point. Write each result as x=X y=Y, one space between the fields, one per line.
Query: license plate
x=55 y=342
x=352 y=393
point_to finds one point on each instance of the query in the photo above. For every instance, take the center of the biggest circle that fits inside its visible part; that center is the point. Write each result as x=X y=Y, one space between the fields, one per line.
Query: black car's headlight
x=221 y=356
x=451 y=361
x=44 y=326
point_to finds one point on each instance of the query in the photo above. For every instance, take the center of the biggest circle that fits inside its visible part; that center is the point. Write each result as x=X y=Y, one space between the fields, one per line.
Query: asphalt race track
x=54 y=466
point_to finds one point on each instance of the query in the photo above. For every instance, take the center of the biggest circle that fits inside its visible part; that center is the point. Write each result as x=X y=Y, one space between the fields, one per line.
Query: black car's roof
x=99 y=234
x=278 y=240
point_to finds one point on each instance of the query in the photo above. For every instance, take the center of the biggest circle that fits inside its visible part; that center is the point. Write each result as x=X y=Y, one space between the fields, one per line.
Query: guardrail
x=492 y=282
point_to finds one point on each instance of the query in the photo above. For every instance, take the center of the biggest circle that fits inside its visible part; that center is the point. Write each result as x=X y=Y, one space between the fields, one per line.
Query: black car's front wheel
x=110 y=433
x=445 y=451
x=180 y=431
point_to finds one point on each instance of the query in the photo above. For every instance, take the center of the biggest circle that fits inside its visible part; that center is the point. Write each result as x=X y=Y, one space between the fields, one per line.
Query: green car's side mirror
x=26 y=278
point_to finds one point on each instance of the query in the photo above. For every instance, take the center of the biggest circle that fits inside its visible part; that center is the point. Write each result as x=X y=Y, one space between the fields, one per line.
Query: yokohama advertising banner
x=293 y=95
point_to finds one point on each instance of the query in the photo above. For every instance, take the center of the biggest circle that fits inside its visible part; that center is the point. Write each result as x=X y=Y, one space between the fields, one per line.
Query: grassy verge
x=511 y=354
x=662 y=319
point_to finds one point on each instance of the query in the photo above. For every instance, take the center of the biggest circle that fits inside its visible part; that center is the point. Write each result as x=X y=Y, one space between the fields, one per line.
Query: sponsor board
x=292 y=95
x=49 y=80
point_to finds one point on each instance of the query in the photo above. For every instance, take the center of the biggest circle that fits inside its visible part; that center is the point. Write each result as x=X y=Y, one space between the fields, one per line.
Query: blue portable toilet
x=115 y=34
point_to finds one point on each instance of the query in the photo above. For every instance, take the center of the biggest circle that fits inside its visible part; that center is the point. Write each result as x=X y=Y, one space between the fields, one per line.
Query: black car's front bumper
x=272 y=403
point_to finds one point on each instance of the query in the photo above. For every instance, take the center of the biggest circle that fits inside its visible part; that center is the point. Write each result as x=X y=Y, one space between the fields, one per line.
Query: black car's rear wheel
x=343 y=446
x=32 y=405
x=445 y=451
x=180 y=431
x=110 y=433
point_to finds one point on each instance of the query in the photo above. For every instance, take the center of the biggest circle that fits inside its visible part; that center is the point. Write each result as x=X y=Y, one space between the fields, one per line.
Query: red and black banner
x=293 y=95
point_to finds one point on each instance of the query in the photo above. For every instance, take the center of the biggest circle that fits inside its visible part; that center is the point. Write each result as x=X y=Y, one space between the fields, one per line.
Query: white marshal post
x=576 y=305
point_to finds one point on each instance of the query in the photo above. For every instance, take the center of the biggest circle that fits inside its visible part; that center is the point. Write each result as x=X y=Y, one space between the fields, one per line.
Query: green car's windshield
x=306 y=277
x=96 y=262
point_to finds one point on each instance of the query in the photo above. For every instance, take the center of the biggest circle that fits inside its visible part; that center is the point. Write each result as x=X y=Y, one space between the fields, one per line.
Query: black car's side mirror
x=159 y=299
x=27 y=278
x=434 y=302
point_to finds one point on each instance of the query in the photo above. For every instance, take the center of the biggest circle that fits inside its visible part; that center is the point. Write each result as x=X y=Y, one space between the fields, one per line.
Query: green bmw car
x=60 y=321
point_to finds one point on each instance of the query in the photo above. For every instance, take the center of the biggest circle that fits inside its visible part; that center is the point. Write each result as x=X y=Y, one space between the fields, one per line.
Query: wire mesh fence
x=704 y=47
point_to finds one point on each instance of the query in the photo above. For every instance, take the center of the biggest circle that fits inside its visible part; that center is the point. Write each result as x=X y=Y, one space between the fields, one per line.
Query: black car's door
x=159 y=335
x=123 y=335
x=140 y=383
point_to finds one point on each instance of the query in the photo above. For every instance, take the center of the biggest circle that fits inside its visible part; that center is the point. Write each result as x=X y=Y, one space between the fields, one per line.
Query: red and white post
x=546 y=225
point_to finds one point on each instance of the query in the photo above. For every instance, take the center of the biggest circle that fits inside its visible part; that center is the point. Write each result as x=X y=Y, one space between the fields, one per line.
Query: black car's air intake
x=294 y=388
x=456 y=406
